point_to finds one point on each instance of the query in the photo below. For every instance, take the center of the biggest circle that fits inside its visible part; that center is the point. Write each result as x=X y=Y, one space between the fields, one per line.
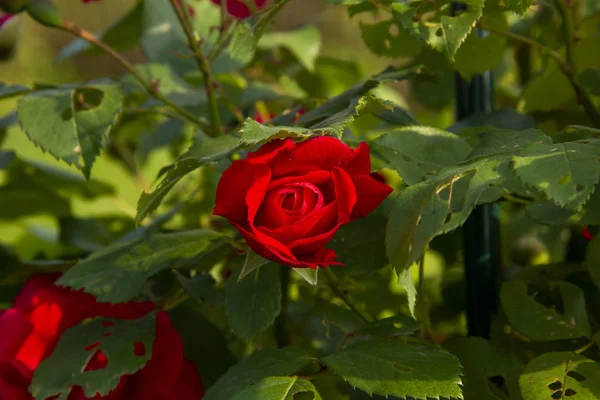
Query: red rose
x=42 y=312
x=288 y=200
x=238 y=9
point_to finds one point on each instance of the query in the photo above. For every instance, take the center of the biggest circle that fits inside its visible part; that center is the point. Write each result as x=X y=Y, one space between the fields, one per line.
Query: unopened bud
x=13 y=6
x=45 y=12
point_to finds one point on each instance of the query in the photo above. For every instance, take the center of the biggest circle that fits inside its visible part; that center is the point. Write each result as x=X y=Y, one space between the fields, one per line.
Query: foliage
x=122 y=202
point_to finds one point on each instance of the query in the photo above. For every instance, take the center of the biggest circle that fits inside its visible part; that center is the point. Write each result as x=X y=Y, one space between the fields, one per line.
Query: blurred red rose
x=42 y=312
x=289 y=199
x=238 y=9
x=4 y=18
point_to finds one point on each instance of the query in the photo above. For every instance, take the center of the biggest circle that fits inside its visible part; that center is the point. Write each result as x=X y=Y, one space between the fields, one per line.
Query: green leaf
x=478 y=54
x=482 y=362
x=118 y=272
x=548 y=213
x=506 y=142
x=406 y=281
x=71 y=122
x=335 y=123
x=346 y=102
x=565 y=172
x=253 y=303
x=304 y=44
x=121 y=35
x=398 y=116
x=505 y=118
x=201 y=152
x=243 y=44
x=592 y=259
x=260 y=365
x=360 y=245
x=592 y=209
x=388 y=39
x=200 y=287
x=537 y=321
x=395 y=368
x=277 y=388
x=253 y=261
x=418 y=152
x=8 y=91
x=311 y=276
x=439 y=205
x=253 y=132
x=560 y=376
x=589 y=80
x=443 y=33
x=551 y=80
x=519 y=6
x=399 y=325
x=64 y=368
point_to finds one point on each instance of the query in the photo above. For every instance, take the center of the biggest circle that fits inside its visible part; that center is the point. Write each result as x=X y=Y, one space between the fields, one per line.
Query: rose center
x=291 y=201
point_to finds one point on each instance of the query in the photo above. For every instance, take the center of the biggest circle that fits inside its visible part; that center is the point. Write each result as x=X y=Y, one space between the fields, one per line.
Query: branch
x=344 y=296
x=566 y=68
x=183 y=16
x=151 y=88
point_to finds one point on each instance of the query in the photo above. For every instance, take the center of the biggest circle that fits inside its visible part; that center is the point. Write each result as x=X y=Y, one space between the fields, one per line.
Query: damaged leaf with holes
x=561 y=375
x=126 y=344
x=70 y=122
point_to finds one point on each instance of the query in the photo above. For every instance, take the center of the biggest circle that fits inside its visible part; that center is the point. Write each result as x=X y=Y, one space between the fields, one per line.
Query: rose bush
x=289 y=199
x=42 y=312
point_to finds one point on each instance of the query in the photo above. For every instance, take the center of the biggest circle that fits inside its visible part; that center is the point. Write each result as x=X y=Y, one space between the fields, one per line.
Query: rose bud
x=289 y=199
x=238 y=9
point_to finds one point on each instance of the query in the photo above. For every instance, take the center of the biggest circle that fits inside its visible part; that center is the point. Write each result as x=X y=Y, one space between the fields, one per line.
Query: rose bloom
x=238 y=9
x=32 y=327
x=289 y=199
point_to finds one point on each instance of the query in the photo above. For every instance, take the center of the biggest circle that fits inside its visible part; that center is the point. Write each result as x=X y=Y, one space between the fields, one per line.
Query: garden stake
x=481 y=231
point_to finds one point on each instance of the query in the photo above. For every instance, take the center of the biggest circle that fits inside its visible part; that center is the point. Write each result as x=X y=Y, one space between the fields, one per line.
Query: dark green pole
x=481 y=232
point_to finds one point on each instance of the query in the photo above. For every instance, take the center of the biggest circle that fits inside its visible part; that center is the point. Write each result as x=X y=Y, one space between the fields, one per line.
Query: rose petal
x=317 y=177
x=320 y=153
x=345 y=194
x=231 y=191
x=312 y=244
x=370 y=193
x=266 y=246
x=321 y=258
x=12 y=385
x=14 y=328
x=164 y=367
x=269 y=150
x=321 y=220
x=360 y=161
x=256 y=192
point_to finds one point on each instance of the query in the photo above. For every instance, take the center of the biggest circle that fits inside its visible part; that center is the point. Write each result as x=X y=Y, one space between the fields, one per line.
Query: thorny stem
x=180 y=9
x=167 y=113
x=150 y=87
x=565 y=67
x=589 y=344
x=332 y=281
x=568 y=30
x=422 y=310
